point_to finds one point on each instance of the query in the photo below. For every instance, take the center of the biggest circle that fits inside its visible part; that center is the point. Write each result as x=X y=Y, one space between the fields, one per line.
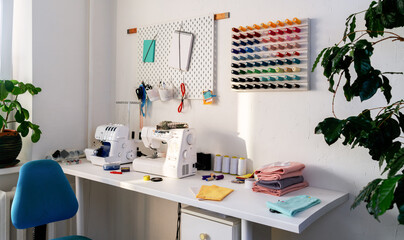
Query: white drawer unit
x=201 y=224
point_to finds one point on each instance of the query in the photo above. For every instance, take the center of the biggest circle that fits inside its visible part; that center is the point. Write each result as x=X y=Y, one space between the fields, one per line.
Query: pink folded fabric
x=292 y=167
x=280 y=192
x=277 y=176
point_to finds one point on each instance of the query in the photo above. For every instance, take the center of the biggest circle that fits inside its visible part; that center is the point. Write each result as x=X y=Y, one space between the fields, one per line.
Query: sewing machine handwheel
x=190 y=139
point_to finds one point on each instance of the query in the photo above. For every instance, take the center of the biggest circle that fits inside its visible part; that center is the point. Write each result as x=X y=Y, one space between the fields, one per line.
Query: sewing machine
x=180 y=159
x=116 y=145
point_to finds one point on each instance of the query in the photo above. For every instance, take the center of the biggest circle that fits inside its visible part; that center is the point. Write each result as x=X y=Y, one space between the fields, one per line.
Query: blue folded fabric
x=294 y=205
x=280 y=184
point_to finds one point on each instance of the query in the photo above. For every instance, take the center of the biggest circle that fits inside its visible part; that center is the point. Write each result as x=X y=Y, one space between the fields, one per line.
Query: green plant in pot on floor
x=379 y=129
x=13 y=112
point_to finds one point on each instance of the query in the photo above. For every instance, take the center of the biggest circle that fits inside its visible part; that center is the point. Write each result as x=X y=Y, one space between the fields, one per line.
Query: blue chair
x=43 y=195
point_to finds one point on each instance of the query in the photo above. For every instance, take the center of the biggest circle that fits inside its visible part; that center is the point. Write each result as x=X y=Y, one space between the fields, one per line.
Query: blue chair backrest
x=43 y=195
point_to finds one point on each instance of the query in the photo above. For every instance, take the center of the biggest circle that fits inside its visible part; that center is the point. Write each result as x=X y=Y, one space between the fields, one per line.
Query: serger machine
x=180 y=160
x=116 y=145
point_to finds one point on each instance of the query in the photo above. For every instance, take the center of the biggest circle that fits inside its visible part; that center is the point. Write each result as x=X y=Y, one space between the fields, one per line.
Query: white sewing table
x=242 y=203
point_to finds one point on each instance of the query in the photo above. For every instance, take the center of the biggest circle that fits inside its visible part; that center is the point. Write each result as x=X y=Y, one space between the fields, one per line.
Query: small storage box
x=202 y=224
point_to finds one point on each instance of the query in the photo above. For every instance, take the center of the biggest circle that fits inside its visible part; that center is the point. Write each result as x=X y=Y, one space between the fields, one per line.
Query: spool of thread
x=249 y=183
x=218 y=163
x=242 y=166
x=233 y=165
x=226 y=164
x=146 y=178
x=219 y=177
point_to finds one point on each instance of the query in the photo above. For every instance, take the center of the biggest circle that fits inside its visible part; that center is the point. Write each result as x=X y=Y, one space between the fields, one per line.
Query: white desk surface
x=242 y=203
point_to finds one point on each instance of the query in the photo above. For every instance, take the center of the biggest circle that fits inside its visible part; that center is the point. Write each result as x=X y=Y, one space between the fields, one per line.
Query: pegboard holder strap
x=218 y=16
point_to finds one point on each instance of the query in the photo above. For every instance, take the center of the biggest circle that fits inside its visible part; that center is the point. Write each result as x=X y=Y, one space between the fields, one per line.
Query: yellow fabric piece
x=213 y=192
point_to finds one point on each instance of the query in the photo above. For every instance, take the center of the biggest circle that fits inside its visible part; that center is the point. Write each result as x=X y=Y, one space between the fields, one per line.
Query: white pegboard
x=200 y=76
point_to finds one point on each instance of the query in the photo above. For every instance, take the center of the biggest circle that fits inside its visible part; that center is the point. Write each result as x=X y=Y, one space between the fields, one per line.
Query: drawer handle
x=204 y=236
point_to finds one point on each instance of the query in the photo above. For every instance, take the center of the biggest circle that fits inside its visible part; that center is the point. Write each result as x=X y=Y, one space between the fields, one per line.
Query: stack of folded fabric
x=280 y=178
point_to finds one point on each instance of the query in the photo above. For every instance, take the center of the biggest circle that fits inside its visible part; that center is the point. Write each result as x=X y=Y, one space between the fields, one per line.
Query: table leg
x=246 y=230
x=80 y=212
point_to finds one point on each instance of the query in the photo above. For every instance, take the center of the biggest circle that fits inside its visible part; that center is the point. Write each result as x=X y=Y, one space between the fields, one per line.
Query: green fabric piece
x=148 y=50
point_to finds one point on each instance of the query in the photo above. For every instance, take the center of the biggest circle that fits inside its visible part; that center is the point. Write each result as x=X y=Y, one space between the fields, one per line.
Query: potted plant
x=378 y=129
x=10 y=140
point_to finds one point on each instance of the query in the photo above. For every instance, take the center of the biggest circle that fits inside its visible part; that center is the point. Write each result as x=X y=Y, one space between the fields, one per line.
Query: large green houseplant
x=13 y=112
x=378 y=129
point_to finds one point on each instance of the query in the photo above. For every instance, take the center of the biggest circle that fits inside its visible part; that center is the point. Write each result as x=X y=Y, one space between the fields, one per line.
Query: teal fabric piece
x=294 y=205
x=148 y=50
x=73 y=238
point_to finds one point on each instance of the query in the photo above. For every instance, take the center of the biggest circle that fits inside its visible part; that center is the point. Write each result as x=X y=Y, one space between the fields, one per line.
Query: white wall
x=60 y=68
x=267 y=127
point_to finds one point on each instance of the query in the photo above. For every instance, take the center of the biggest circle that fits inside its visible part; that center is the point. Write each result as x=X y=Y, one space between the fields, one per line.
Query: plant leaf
x=400 y=118
x=9 y=85
x=23 y=129
x=352 y=27
x=331 y=129
x=396 y=163
x=386 y=88
x=25 y=113
x=318 y=59
x=368 y=85
x=386 y=194
x=3 y=90
x=19 y=117
x=400 y=7
x=365 y=193
x=373 y=21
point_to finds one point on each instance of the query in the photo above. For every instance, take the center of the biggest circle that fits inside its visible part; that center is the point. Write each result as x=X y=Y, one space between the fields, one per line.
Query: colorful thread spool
x=280 y=32
x=263 y=25
x=279 y=70
x=296 y=69
x=296 y=29
x=271 y=24
x=234 y=165
x=287 y=21
x=235 y=30
x=250 y=28
x=226 y=162
x=218 y=163
x=280 y=23
x=296 y=20
x=242 y=28
x=256 y=27
x=242 y=166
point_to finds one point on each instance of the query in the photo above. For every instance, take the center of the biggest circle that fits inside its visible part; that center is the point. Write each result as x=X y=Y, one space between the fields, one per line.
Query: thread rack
x=271 y=56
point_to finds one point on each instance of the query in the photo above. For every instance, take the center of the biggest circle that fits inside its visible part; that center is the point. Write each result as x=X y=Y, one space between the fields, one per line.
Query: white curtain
x=6 y=33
